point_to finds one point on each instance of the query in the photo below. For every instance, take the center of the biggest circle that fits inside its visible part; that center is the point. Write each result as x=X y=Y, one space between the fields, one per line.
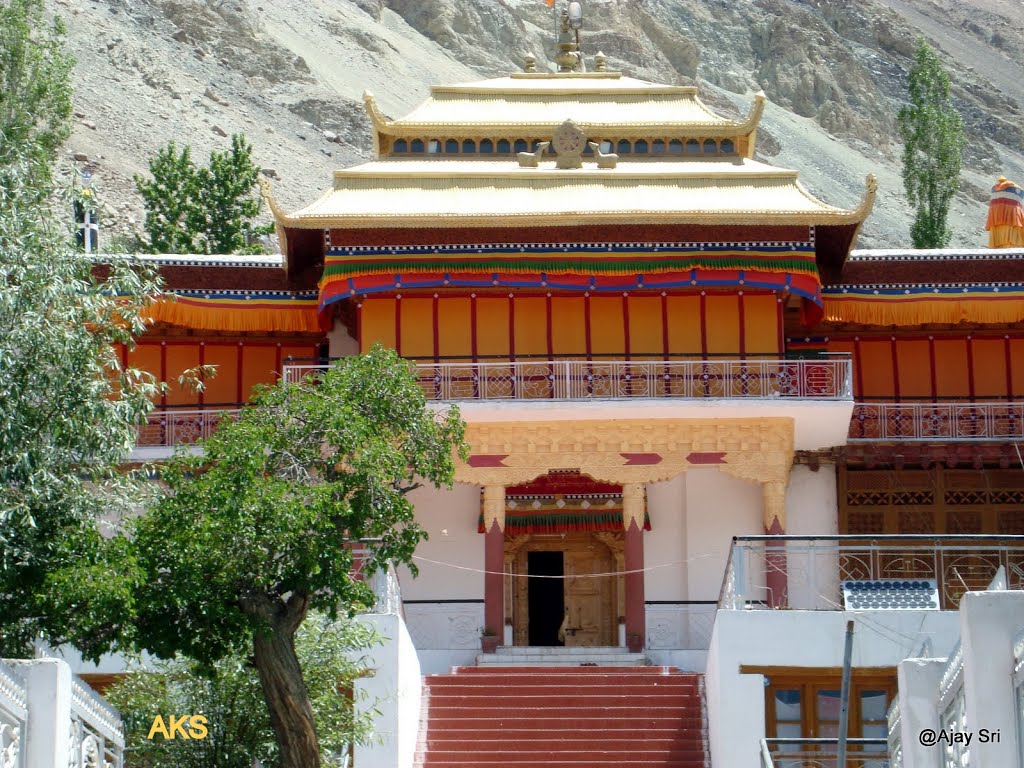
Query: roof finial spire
x=569 y=58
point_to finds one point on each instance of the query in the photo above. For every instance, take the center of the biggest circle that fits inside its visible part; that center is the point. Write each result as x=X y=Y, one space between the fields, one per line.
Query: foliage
x=68 y=408
x=229 y=696
x=35 y=90
x=256 y=532
x=201 y=210
x=933 y=136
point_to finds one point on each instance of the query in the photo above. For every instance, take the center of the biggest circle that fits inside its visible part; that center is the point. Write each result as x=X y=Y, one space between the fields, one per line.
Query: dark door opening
x=545 y=596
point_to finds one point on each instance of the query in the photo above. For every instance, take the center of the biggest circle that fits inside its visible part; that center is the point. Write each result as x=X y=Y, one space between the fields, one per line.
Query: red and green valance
x=593 y=266
x=563 y=502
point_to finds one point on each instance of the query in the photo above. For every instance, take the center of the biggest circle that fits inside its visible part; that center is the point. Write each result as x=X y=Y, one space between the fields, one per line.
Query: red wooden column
x=494 y=559
x=633 y=506
x=775 y=565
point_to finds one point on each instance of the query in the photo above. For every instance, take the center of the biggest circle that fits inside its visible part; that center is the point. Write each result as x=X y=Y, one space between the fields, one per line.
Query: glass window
x=728 y=146
x=624 y=147
x=435 y=146
x=692 y=147
x=417 y=146
x=486 y=147
x=401 y=146
x=451 y=147
x=606 y=147
x=675 y=147
x=504 y=147
x=658 y=147
x=710 y=147
x=469 y=147
x=520 y=145
x=798 y=706
x=640 y=147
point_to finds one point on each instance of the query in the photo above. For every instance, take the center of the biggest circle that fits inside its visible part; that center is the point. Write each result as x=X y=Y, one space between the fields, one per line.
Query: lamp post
x=86 y=218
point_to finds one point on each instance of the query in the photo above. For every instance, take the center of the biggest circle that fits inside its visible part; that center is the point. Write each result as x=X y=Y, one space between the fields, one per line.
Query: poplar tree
x=933 y=137
x=35 y=91
x=209 y=209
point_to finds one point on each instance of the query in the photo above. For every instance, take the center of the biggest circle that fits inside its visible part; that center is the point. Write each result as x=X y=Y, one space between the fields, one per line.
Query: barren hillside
x=290 y=74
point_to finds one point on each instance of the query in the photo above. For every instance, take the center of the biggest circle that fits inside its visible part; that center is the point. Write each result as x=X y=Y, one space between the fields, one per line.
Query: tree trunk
x=287 y=698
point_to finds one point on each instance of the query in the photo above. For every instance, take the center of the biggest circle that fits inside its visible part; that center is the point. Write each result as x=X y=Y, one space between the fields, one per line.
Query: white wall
x=445 y=624
x=812 y=509
x=395 y=689
x=811 y=639
x=812 y=506
x=666 y=541
x=718 y=507
x=816 y=423
x=451 y=519
x=339 y=343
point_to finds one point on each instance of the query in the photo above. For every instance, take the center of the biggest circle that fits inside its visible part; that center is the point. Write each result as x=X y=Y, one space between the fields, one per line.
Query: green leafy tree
x=169 y=199
x=933 y=137
x=226 y=205
x=258 y=531
x=68 y=409
x=229 y=696
x=35 y=90
x=201 y=210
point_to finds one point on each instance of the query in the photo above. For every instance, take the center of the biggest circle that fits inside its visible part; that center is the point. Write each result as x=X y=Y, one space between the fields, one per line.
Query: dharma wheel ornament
x=569 y=141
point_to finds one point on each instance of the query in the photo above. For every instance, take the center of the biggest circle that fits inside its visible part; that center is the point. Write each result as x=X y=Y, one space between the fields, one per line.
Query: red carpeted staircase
x=578 y=717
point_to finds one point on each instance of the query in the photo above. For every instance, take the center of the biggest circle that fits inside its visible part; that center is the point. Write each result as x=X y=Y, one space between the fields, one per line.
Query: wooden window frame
x=811 y=680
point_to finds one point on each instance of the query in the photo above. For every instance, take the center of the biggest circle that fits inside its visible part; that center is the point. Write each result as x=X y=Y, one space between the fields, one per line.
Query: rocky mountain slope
x=290 y=75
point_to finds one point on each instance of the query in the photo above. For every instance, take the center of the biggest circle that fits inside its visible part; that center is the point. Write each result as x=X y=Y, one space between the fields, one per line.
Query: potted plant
x=489 y=640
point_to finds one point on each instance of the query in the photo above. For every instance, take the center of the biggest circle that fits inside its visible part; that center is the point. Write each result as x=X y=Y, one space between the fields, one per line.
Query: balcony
x=823 y=753
x=806 y=572
x=170 y=427
x=589 y=380
x=937 y=422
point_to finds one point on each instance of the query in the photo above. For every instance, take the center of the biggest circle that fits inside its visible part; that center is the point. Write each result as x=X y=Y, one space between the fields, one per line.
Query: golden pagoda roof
x=499 y=192
x=600 y=101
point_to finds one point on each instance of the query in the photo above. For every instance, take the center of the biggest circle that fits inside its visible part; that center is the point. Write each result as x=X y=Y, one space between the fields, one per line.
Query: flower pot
x=489 y=643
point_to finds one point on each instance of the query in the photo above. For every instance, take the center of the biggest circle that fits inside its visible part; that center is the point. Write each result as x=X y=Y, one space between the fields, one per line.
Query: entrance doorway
x=545 y=597
x=582 y=608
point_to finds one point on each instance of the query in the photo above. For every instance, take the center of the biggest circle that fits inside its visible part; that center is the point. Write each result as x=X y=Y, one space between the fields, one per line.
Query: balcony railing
x=937 y=421
x=617 y=379
x=805 y=572
x=171 y=427
x=822 y=753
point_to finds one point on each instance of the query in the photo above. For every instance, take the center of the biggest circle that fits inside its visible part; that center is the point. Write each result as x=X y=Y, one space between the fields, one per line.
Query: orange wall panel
x=1017 y=366
x=258 y=363
x=417 y=326
x=531 y=326
x=989 y=364
x=492 y=318
x=222 y=387
x=646 y=337
x=568 y=326
x=762 y=320
x=874 y=369
x=456 y=331
x=722 y=320
x=607 y=327
x=180 y=358
x=684 y=325
x=146 y=357
x=377 y=324
x=952 y=377
x=915 y=369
